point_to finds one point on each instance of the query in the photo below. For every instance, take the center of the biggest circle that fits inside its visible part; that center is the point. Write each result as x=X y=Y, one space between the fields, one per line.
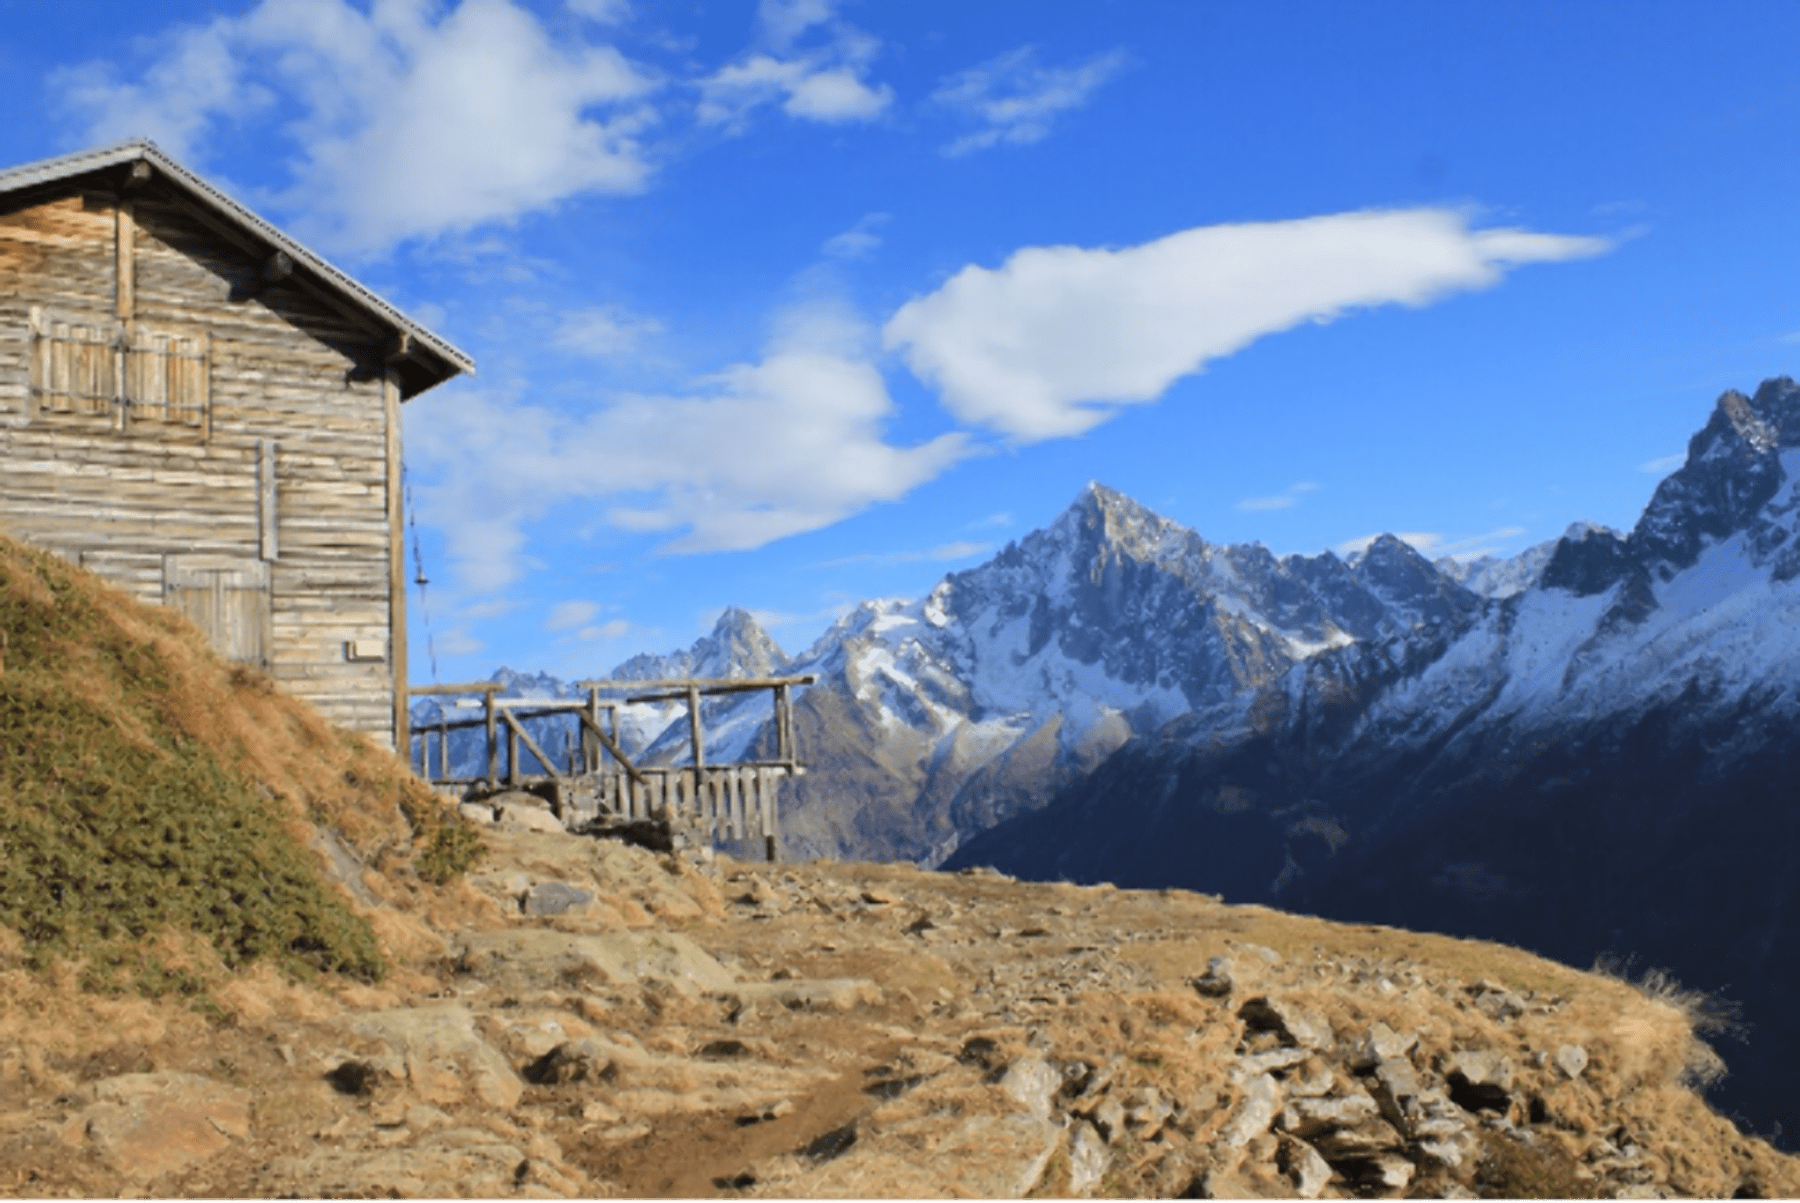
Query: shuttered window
x=99 y=370
x=227 y=597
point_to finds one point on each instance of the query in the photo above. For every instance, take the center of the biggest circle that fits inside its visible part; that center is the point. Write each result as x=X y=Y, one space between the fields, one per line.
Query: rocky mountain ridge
x=1600 y=762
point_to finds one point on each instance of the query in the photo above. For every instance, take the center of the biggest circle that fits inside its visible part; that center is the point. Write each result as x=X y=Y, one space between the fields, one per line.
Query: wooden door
x=225 y=596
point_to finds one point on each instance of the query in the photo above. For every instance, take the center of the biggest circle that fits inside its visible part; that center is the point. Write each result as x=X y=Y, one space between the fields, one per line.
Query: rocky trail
x=585 y=1017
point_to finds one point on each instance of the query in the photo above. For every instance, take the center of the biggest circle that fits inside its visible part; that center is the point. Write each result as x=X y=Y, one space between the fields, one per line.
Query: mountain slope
x=1603 y=761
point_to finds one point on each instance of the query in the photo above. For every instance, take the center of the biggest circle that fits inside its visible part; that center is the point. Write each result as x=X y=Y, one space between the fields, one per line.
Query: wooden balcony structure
x=598 y=785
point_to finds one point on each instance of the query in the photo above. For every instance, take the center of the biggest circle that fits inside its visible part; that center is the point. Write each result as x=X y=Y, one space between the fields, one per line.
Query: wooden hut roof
x=421 y=358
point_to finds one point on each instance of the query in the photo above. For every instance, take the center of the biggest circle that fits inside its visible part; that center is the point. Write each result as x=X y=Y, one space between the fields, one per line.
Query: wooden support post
x=396 y=534
x=512 y=751
x=784 y=733
x=693 y=695
x=493 y=745
x=444 y=744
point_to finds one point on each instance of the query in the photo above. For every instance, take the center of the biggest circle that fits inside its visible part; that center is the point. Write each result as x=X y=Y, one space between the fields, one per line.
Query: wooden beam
x=518 y=730
x=612 y=746
x=277 y=267
x=390 y=395
x=125 y=264
x=706 y=684
x=488 y=687
x=141 y=174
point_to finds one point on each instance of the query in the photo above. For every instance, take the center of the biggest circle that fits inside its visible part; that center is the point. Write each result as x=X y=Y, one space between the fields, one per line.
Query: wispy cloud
x=606 y=331
x=1435 y=546
x=1001 y=519
x=1287 y=499
x=759 y=451
x=1663 y=464
x=859 y=241
x=823 y=82
x=413 y=122
x=943 y=552
x=1056 y=339
x=1016 y=100
x=566 y=616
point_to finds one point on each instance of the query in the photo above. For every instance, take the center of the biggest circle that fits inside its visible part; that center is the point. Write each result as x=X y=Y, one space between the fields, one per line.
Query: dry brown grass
x=148 y=788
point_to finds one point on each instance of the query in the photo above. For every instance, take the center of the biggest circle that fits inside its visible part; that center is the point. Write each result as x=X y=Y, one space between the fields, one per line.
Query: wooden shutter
x=168 y=377
x=227 y=597
x=74 y=365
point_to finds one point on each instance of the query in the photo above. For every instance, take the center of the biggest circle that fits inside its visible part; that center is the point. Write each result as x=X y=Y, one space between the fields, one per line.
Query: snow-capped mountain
x=1604 y=758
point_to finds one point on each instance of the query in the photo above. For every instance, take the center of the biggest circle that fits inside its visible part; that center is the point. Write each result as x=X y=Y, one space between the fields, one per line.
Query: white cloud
x=824 y=82
x=1434 y=546
x=1791 y=338
x=410 y=123
x=1016 y=100
x=947 y=551
x=566 y=616
x=1285 y=500
x=757 y=452
x=609 y=330
x=859 y=241
x=1052 y=342
x=1662 y=464
x=784 y=20
x=606 y=12
x=616 y=628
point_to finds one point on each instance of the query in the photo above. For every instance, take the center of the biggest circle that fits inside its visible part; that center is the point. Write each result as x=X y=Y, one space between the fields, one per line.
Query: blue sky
x=787 y=305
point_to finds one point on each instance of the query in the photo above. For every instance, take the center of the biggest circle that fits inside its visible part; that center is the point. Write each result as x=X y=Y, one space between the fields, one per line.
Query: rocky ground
x=585 y=1017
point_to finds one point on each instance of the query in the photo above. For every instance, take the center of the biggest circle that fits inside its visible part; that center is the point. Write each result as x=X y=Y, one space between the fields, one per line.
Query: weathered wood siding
x=284 y=369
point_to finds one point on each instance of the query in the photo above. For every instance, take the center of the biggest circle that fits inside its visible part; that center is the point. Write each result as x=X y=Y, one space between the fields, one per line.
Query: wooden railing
x=598 y=779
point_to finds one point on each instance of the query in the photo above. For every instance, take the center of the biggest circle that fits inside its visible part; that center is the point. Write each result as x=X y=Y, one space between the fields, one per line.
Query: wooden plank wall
x=284 y=368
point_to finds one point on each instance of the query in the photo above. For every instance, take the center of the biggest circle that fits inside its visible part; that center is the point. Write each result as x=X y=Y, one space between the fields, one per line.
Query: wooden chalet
x=205 y=413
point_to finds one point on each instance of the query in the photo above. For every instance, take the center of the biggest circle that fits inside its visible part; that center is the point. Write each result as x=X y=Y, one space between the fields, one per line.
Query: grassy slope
x=148 y=788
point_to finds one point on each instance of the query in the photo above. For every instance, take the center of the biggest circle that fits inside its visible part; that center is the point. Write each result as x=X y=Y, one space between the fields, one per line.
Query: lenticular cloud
x=1054 y=340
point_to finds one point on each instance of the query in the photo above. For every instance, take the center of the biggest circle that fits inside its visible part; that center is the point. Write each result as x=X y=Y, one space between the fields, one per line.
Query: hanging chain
x=419 y=577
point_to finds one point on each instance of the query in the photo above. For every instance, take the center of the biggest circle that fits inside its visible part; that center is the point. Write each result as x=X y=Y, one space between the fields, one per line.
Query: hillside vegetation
x=148 y=791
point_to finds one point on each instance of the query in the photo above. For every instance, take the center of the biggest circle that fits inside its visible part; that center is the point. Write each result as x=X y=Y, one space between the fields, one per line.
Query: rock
x=1216 y=981
x=521 y=816
x=1262 y=1099
x=1033 y=1084
x=831 y=994
x=1496 y=1001
x=151 y=1124
x=1251 y=1064
x=1307 y=1118
x=1088 y=1160
x=476 y=812
x=445 y=1059
x=1303 y=1165
x=554 y=898
x=1373 y=1135
x=576 y=1061
x=1384 y=1171
x=1396 y=1089
x=1381 y=1043
x=1109 y=1117
x=1293 y=1023
x=1314 y=1079
x=619 y=958
x=1479 y=1079
x=1149 y=1112
x=448 y=1163
x=1572 y=1059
